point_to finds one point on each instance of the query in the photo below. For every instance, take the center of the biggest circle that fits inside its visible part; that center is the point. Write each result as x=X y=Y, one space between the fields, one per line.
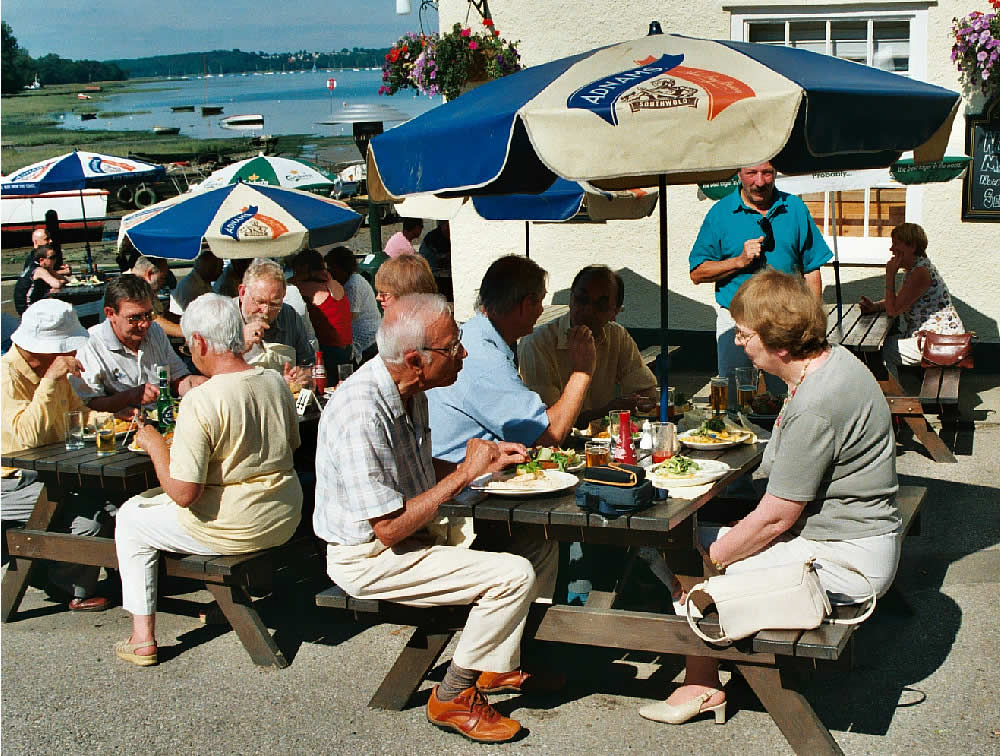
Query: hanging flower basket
x=976 y=51
x=450 y=63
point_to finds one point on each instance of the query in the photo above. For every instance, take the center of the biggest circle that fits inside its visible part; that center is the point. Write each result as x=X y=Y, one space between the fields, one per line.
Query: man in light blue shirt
x=489 y=400
x=753 y=228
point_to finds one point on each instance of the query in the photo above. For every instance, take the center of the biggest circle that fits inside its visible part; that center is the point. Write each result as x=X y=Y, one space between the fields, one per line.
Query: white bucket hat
x=50 y=326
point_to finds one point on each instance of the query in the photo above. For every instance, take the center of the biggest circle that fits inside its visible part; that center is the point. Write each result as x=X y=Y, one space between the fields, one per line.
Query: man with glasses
x=274 y=333
x=621 y=379
x=756 y=227
x=489 y=400
x=377 y=491
x=121 y=357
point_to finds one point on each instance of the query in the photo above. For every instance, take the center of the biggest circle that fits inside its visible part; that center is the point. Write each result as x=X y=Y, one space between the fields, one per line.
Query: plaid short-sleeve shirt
x=371 y=455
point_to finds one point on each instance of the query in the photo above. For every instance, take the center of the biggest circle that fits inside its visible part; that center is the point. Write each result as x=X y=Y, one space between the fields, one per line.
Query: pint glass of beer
x=720 y=394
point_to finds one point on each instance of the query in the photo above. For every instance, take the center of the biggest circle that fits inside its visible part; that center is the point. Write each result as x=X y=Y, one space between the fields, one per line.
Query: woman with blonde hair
x=399 y=276
x=829 y=471
x=922 y=301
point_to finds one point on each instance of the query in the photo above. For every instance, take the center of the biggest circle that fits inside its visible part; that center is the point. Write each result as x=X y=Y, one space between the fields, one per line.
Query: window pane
x=892 y=46
x=814 y=204
x=887 y=210
x=808 y=35
x=850 y=40
x=771 y=33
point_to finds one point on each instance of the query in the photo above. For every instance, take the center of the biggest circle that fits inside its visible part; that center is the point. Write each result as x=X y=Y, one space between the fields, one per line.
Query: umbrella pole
x=86 y=237
x=661 y=361
x=527 y=240
x=836 y=265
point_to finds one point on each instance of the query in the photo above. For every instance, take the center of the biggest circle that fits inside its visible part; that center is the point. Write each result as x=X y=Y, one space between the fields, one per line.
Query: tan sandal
x=126 y=652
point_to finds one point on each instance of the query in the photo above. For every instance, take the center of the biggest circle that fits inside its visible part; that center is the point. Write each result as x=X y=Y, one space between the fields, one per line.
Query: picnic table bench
x=865 y=335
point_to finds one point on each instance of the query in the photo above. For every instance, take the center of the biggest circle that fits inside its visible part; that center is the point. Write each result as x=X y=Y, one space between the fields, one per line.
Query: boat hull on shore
x=20 y=214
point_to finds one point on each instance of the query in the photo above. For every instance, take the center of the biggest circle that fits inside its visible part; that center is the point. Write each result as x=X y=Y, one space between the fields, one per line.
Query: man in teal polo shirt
x=755 y=227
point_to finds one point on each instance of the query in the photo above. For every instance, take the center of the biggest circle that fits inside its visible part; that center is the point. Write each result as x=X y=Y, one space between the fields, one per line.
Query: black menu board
x=981 y=189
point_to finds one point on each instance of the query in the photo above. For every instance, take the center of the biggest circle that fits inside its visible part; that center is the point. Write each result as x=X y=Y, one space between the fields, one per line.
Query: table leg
x=790 y=710
x=918 y=425
x=15 y=582
x=421 y=653
x=236 y=604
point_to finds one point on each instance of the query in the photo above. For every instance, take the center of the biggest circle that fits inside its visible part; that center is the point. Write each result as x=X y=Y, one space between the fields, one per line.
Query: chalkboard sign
x=981 y=189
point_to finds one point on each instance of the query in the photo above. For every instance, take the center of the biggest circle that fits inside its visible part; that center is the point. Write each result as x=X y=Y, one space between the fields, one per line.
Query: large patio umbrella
x=239 y=221
x=79 y=170
x=271 y=170
x=662 y=109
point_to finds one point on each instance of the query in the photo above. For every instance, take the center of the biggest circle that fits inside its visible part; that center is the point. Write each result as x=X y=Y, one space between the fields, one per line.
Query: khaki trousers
x=500 y=586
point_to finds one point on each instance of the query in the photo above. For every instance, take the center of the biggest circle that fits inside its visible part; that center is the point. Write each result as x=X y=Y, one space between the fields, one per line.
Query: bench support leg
x=256 y=638
x=803 y=730
x=421 y=653
x=15 y=582
x=931 y=441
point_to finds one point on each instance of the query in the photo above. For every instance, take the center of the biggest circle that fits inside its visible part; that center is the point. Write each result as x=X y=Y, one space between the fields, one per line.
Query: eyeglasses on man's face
x=263 y=304
x=451 y=350
x=141 y=317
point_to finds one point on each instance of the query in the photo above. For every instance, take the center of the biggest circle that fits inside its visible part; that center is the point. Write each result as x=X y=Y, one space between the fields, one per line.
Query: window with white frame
x=894 y=39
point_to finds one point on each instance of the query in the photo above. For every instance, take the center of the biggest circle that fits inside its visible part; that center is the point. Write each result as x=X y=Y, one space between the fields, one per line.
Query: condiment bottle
x=625 y=438
x=319 y=375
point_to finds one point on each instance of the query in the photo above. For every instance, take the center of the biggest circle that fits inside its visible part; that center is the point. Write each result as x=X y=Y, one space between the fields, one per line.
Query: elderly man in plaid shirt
x=378 y=488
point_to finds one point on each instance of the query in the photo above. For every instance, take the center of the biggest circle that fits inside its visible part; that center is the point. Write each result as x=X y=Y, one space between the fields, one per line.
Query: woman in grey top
x=829 y=469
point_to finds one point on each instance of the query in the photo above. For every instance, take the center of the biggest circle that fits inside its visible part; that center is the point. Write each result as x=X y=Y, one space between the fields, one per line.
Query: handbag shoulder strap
x=873 y=598
x=722 y=639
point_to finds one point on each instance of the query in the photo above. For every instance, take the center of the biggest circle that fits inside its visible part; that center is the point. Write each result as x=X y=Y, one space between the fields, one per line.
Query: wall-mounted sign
x=981 y=187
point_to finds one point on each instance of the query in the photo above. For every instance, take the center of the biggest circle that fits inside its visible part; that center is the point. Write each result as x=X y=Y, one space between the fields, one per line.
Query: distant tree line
x=18 y=69
x=238 y=61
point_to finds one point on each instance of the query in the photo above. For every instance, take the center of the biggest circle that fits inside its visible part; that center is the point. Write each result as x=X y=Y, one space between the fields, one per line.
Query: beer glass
x=746 y=387
x=720 y=394
x=105 y=434
x=598 y=452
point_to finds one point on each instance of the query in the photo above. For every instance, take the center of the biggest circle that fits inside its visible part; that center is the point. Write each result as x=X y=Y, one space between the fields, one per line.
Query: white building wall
x=967 y=254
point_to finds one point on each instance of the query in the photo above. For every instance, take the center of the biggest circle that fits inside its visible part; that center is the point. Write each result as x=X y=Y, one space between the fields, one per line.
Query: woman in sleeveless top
x=328 y=306
x=921 y=303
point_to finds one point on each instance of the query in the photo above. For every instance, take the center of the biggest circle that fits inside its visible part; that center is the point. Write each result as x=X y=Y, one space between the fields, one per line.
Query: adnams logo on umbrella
x=647 y=87
x=97 y=164
x=249 y=225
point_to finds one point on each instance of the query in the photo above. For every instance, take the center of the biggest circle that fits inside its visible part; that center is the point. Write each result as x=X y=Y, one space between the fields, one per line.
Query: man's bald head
x=40 y=237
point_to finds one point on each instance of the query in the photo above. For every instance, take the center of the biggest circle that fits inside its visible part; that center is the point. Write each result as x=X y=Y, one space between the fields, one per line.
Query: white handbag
x=788 y=597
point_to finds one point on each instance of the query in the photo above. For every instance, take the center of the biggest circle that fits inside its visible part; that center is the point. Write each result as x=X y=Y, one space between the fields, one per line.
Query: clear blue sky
x=77 y=29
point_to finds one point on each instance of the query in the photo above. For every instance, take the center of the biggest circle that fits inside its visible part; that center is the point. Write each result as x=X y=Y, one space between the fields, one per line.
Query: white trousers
x=876 y=557
x=148 y=524
x=731 y=356
x=500 y=586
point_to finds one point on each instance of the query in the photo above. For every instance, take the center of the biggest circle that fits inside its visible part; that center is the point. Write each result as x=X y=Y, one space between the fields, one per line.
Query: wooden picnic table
x=865 y=335
x=123 y=474
x=670 y=525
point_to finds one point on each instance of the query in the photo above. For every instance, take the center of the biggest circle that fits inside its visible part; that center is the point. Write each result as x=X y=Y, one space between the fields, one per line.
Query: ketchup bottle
x=625 y=438
x=319 y=375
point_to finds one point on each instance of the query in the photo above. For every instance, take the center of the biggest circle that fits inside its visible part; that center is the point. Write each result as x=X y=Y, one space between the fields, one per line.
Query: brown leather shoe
x=471 y=715
x=92 y=604
x=517 y=681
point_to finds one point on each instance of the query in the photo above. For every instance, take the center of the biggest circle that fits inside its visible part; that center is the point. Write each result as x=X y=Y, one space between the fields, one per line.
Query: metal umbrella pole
x=662 y=371
x=836 y=264
x=86 y=238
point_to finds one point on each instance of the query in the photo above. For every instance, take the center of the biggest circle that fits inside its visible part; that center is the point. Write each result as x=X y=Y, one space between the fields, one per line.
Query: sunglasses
x=148 y=316
x=768 y=244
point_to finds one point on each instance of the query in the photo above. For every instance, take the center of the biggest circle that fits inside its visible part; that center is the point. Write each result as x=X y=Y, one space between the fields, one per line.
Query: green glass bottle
x=164 y=402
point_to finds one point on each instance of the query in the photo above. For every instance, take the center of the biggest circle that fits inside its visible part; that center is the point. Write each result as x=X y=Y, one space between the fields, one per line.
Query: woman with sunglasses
x=829 y=472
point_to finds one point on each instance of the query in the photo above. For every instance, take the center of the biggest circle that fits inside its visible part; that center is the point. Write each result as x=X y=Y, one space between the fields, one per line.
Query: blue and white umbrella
x=663 y=109
x=239 y=221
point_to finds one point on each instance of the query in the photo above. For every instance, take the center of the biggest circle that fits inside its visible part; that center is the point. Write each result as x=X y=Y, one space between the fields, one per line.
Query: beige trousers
x=500 y=586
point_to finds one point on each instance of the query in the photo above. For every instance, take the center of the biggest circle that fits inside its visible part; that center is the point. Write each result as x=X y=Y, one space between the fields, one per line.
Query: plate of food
x=713 y=434
x=684 y=471
x=552 y=458
x=527 y=483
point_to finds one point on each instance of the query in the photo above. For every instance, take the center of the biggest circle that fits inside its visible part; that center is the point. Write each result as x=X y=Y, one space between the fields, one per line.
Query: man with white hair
x=274 y=333
x=378 y=488
x=35 y=396
x=227 y=484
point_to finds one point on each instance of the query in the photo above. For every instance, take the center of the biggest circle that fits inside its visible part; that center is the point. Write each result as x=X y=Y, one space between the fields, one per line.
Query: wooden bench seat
x=939 y=391
x=230 y=579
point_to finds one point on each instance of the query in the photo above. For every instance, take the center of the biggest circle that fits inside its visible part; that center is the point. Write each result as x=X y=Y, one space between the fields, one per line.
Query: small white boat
x=21 y=213
x=244 y=121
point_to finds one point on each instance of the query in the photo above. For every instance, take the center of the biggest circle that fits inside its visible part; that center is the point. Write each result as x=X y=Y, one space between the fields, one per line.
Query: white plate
x=555 y=480
x=685 y=439
x=711 y=469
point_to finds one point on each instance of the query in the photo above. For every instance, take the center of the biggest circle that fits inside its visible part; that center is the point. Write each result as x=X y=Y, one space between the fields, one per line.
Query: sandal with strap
x=126 y=652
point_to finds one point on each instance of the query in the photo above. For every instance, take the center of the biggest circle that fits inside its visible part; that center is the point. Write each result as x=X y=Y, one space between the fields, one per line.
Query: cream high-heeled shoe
x=664 y=712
